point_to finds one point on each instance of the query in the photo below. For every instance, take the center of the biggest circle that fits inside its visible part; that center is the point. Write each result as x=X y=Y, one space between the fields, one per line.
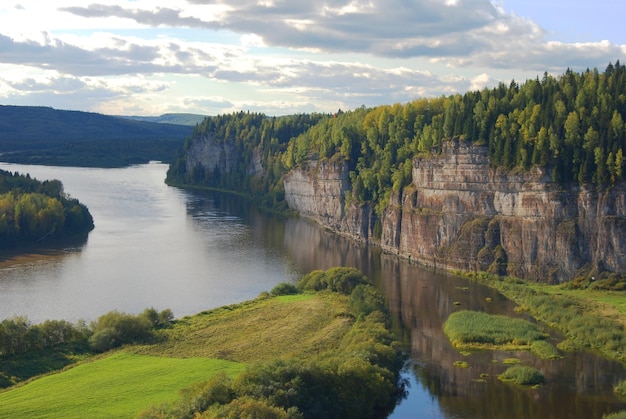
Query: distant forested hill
x=41 y=135
x=190 y=119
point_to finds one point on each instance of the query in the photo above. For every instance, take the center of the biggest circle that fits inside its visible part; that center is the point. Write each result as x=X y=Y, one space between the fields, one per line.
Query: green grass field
x=196 y=348
x=117 y=386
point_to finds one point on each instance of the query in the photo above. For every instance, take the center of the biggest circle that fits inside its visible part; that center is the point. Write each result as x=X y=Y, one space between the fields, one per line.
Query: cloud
x=455 y=32
x=275 y=54
x=398 y=28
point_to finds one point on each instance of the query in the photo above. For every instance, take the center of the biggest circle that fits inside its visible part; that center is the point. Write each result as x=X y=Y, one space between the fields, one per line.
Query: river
x=162 y=247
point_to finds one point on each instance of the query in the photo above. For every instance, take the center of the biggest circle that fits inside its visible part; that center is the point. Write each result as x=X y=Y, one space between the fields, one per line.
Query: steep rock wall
x=317 y=191
x=459 y=213
x=211 y=154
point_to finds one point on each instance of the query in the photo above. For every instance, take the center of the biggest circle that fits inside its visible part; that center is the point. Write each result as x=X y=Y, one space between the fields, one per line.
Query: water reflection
x=189 y=251
x=578 y=386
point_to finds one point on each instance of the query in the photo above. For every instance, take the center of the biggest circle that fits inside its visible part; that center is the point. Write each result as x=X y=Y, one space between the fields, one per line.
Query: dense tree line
x=32 y=211
x=18 y=335
x=572 y=125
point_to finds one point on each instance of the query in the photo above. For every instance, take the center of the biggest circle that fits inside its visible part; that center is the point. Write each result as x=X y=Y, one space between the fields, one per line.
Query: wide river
x=162 y=247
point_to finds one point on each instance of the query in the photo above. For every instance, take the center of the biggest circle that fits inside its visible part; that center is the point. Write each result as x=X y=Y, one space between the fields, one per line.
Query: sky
x=279 y=57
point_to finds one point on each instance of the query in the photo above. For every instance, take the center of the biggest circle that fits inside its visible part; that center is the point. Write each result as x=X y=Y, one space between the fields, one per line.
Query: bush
x=620 y=388
x=284 y=289
x=522 y=375
x=246 y=407
x=340 y=279
x=115 y=329
x=366 y=299
x=198 y=398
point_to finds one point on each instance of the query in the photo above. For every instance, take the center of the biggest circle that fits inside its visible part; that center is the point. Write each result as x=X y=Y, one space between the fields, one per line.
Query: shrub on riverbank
x=116 y=329
x=522 y=375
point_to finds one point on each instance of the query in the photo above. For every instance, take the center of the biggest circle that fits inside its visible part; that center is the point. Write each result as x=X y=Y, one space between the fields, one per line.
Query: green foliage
x=32 y=211
x=339 y=279
x=620 y=388
x=18 y=335
x=616 y=415
x=467 y=328
x=572 y=125
x=356 y=375
x=366 y=299
x=522 y=375
x=248 y=134
x=284 y=289
x=580 y=318
x=544 y=350
x=356 y=380
x=114 y=329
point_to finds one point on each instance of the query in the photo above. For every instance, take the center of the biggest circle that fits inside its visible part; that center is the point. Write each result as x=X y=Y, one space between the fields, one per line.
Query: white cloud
x=305 y=56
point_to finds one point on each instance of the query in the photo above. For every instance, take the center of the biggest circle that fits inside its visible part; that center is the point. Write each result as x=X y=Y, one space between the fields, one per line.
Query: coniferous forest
x=572 y=125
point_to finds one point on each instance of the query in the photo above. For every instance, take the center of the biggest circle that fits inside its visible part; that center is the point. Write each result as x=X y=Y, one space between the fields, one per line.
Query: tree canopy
x=573 y=125
x=32 y=211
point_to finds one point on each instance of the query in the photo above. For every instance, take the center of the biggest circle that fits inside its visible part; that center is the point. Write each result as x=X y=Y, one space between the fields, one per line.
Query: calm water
x=188 y=251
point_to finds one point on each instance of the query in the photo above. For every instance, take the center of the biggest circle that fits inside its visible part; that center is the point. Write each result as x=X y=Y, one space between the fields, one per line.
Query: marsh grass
x=473 y=329
x=620 y=389
x=589 y=318
x=544 y=350
x=522 y=375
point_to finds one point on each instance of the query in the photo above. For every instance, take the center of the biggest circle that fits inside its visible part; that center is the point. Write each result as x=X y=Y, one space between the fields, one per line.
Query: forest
x=572 y=125
x=32 y=211
x=41 y=135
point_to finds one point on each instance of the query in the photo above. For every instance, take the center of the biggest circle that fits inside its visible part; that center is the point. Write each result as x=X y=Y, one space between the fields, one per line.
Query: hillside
x=189 y=119
x=41 y=135
x=293 y=352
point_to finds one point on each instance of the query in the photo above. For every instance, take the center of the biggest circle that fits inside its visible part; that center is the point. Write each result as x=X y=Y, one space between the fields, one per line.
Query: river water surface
x=157 y=246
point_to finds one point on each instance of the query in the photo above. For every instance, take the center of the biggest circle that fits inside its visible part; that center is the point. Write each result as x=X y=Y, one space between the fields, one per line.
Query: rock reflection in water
x=577 y=386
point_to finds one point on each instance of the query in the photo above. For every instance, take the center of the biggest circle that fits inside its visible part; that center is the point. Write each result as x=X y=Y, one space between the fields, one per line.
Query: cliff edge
x=459 y=213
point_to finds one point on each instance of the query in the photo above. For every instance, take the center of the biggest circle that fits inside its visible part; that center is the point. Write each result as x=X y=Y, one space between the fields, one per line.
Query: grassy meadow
x=309 y=346
x=115 y=386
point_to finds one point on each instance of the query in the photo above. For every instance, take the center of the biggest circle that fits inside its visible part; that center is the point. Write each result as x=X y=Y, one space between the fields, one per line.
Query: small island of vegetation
x=322 y=348
x=32 y=212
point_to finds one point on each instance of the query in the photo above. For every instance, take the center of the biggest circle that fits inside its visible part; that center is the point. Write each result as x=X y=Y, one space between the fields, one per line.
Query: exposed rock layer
x=459 y=213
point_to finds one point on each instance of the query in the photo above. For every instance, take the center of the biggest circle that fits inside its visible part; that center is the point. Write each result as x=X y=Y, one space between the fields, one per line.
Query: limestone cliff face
x=317 y=191
x=211 y=154
x=459 y=213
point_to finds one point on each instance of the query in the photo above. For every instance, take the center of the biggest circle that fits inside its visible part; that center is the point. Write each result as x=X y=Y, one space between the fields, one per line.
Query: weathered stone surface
x=459 y=213
x=213 y=155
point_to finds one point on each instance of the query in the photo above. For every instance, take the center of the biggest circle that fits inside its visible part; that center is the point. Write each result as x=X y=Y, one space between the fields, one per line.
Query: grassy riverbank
x=591 y=318
x=289 y=354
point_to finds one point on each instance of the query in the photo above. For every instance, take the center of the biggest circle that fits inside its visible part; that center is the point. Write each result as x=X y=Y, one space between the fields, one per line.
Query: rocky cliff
x=213 y=155
x=459 y=213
